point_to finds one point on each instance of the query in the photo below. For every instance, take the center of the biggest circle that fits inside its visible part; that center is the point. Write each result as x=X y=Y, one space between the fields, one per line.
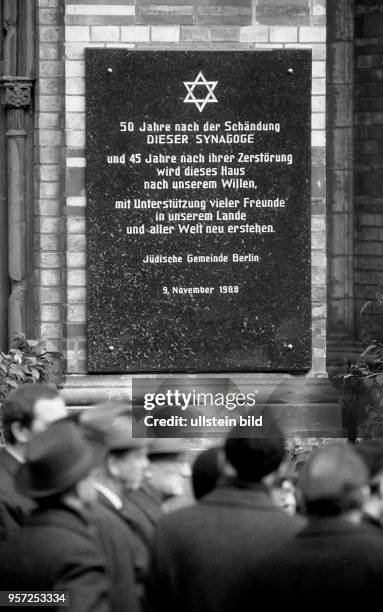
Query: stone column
x=340 y=19
x=16 y=99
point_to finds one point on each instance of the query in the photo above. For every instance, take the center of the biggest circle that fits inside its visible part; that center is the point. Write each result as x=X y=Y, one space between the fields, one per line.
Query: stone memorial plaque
x=198 y=210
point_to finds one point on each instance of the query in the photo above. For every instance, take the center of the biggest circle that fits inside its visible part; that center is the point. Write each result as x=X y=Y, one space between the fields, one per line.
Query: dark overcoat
x=118 y=547
x=57 y=549
x=331 y=563
x=202 y=552
x=143 y=509
x=14 y=507
x=133 y=547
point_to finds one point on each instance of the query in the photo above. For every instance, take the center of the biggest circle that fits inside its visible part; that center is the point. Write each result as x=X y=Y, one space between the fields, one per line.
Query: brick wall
x=368 y=150
x=49 y=143
x=154 y=24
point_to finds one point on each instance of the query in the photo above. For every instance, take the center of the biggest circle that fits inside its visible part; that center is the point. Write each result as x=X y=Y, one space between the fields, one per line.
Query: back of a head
x=332 y=481
x=256 y=457
x=206 y=471
x=19 y=406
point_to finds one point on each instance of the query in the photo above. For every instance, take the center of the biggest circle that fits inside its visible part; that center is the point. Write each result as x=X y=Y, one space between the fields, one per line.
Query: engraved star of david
x=200 y=102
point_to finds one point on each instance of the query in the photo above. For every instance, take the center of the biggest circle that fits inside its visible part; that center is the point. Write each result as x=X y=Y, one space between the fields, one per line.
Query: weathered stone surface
x=156 y=12
x=283 y=12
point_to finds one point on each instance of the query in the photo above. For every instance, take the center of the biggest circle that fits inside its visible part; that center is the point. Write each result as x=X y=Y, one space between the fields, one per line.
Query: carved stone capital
x=9 y=23
x=16 y=94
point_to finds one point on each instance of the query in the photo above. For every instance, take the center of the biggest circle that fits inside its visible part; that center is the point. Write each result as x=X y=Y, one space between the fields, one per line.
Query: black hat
x=56 y=459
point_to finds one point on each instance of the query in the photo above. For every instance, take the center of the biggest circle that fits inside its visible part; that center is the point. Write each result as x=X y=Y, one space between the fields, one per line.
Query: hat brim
x=166 y=453
x=27 y=487
x=131 y=444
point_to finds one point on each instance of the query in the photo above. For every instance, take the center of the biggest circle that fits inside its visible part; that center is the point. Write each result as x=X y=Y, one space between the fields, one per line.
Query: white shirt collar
x=110 y=495
x=14 y=453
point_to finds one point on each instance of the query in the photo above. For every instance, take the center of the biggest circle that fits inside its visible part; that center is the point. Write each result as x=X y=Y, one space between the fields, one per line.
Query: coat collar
x=146 y=500
x=61 y=515
x=234 y=492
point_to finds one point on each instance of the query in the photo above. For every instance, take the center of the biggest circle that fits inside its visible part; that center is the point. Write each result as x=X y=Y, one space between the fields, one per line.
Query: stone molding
x=16 y=92
x=340 y=171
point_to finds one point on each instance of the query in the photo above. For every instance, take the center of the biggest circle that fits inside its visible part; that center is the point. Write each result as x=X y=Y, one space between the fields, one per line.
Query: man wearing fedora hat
x=66 y=542
x=56 y=548
x=124 y=464
x=121 y=471
x=27 y=410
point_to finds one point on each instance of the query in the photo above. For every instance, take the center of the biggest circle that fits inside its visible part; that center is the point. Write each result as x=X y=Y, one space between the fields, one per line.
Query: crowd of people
x=84 y=509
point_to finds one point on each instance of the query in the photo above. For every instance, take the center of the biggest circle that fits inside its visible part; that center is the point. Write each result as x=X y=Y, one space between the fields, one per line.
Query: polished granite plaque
x=198 y=210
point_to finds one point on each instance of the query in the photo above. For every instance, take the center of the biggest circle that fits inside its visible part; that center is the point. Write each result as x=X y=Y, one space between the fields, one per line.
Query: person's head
x=58 y=465
x=207 y=469
x=255 y=458
x=168 y=466
x=284 y=494
x=109 y=425
x=128 y=466
x=30 y=408
x=371 y=452
x=126 y=458
x=333 y=481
